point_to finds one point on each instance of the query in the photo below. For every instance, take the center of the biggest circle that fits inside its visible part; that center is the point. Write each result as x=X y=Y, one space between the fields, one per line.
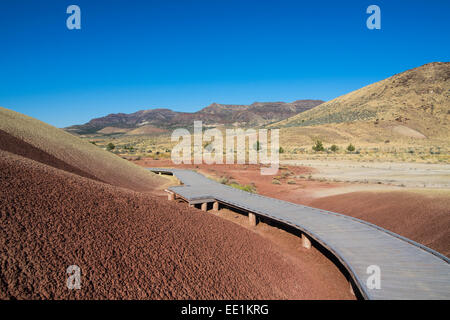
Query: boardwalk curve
x=409 y=270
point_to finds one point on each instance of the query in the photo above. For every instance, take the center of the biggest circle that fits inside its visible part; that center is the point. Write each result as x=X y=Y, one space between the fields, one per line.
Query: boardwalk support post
x=204 y=206
x=216 y=206
x=306 y=243
x=252 y=219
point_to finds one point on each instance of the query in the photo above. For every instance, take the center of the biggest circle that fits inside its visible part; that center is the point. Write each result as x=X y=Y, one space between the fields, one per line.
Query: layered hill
x=56 y=147
x=413 y=104
x=65 y=202
x=256 y=114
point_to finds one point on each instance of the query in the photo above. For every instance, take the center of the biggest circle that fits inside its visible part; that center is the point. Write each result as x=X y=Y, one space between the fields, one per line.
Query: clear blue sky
x=184 y=55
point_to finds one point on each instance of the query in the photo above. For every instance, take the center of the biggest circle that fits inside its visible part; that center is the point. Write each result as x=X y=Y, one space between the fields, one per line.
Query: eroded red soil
x=131 y=245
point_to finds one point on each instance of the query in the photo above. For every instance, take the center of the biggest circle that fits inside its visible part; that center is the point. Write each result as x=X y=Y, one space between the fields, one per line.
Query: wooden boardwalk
x=408 y=269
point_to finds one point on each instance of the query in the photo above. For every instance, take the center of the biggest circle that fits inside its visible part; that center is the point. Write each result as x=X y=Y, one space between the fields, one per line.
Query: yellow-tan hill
x=414 y=104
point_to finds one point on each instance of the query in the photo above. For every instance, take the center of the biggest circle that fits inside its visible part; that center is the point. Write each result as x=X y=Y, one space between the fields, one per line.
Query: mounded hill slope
x=12 y=144
x=131 y=245
x=414 y=104
x=76 y=153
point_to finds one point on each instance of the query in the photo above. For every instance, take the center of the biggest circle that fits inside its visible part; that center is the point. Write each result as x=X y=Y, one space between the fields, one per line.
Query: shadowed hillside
x=80 y=155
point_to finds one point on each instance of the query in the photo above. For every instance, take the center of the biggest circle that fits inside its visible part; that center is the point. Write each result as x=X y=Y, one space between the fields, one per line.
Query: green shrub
x=334 y=148
x=318 y=146
x=285 y=174
x=275 y=181
x=224 y=180
x=110 y=146
x=351 y=148
x=248 y=188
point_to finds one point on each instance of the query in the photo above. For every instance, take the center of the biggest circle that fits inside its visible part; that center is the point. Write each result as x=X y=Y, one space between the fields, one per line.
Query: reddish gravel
x=423 y=217
x=132 y=245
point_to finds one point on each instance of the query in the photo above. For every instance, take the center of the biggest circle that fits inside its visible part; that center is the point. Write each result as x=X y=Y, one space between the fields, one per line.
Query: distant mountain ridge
x=153 y=120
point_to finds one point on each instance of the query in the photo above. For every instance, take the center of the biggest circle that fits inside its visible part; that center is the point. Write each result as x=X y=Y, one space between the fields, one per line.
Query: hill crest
x=419 y=95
